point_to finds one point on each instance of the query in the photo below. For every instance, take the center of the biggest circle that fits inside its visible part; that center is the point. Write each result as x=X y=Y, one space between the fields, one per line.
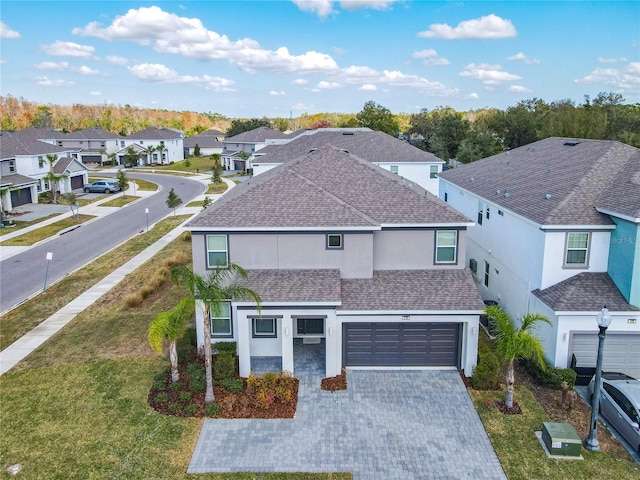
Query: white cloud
x=430 y=57
x=157 y=73
x=627 y=78
x=93 y=93
x=328 y=85
x=488 y=74
x=7 y=32
x=339 y=51
x=368 y=87
x=519 y=89
x=373 y=4
x=524 y=58
x=472 y=96
x=487 y=27
x=300 y=81
x=53 y=66
x=47 y=82
x=275 y=93
x=69 y=49
x=611 y=60
x=84 y=70
x=302 y=107
x=170 y=33
x=322 y=8
x=115 y=60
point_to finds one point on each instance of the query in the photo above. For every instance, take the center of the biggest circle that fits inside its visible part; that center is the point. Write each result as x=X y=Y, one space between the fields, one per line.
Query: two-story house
x=381 y=149
x=346 y=255
x=92 y=146
x=24 y=168
x=208 y=142
x=557 y=233
x=237 y=151
x=154 y=145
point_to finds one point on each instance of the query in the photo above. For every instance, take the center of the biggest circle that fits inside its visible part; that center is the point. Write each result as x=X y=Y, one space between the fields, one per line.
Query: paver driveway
x=398 y=425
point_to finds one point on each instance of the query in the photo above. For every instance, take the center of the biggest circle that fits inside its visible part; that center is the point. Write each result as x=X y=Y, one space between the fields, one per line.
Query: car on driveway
x=620 y=404
x=102 y=186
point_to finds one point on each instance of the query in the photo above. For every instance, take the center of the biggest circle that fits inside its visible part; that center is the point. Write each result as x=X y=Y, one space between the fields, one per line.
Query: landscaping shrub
x=158 y=385
x=146 y=291
x=186 y=346
x=212 y=409
x=185 y=397
x=229 y=347
x=175 y=386
x=234 y=385
x=485 y=373
x=186 y=236
x=174 y=408
x=549 y=376
x=178 y=258
x=190 y=410
x=133 y=299
x=224 y=367
x=162 y=398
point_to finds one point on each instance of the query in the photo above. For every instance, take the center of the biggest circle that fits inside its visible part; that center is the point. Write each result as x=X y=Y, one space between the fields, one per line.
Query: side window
x=480 y=212
x=487 y=270
x=217 y=253
x=221 y=324
x=433 y=171
x=334 y=241
x=446 y=242
x=394 y=169
x=577 y=249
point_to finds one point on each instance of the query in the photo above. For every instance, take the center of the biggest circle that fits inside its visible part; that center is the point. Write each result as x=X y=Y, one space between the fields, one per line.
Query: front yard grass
x=522 y=456
x=35 y=236
x=19 y=225
x=214 y=188
x=119 y=201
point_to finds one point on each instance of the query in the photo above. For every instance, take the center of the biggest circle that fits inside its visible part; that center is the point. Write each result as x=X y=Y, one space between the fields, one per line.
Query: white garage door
x=621 y=351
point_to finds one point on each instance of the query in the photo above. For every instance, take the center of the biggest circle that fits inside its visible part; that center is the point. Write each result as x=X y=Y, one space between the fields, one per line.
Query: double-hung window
x=264 y=327
x=446 y=243
x=433 y=171
x=221 y=321
x=217 y=251
x=394 y=169
x=577 y=251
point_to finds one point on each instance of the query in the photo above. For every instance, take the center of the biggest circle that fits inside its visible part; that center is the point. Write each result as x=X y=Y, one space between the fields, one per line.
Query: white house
x=379 y=148
x=245 y=144
x=209 y=142
x=157 y=145
x=557 y=233
x=346 y=255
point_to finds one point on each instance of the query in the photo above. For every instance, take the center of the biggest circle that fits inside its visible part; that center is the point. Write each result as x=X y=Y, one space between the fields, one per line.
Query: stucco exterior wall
x=624 y=259
x=419 y=173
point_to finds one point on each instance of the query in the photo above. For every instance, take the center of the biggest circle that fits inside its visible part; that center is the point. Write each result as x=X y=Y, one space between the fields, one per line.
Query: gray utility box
x=561 y=439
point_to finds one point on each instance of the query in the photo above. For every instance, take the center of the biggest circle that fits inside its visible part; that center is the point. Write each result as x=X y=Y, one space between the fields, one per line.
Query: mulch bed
x=515 y=410
x=339 y=382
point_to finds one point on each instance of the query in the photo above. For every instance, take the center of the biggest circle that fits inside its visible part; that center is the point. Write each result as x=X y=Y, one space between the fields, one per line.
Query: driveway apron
x=387 y=425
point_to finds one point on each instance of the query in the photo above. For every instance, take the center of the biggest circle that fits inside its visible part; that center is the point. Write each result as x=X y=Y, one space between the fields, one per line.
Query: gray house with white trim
x=345 y=254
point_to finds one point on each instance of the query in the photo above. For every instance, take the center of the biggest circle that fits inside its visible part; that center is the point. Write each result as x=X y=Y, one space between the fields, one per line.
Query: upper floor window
x=446 y=243
x=40 y=162
x=488 y=212
x=217 y=254
x=577 y=249
x=394 y=169
x=162 y=142
x=433 y=171
x=480 y=212
x=487 y=270
x=221 y=321
x=334 y=241
x=446 y=197
x=121 y=143
x=12 y=166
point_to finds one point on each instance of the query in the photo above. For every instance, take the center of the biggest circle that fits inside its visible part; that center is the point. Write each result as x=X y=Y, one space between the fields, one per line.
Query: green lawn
x=19 y=225
x=196 y=165
x=39 y=234
x=119 y=201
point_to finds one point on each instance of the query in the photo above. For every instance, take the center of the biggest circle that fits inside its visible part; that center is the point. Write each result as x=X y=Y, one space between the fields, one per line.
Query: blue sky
x=280 y=58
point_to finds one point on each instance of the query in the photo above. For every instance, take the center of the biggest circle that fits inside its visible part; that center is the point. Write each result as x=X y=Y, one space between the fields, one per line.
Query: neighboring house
x=92 y=146
x=24 y=168
x=379 y=148
x=209 y=142
x=345 y=254
x=557 y=232
x=157 y=146
x=246 y=144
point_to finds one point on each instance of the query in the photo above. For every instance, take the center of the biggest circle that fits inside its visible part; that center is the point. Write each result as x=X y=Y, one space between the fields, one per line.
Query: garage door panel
x=621 y=352
x=400 y=344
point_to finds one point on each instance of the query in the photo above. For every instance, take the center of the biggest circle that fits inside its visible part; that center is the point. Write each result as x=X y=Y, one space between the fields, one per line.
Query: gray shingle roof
x=326 y=188
x=16 y=143
x=295 y=285
x=412 y=290
x=622 y=196
x=203 y=141
x=257 y=135
x=90 y=134
x=376 y=147
x=16 y=179
x=574 y=177
x=585 y=292
x=151 y=133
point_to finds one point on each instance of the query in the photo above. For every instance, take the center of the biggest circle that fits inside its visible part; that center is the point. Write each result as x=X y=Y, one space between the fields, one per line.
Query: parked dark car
x=620 y=404
x=102 y=186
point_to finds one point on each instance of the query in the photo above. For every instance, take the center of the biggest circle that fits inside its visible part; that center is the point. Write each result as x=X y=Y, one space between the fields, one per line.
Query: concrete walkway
x=388 y=425
x=26 y=344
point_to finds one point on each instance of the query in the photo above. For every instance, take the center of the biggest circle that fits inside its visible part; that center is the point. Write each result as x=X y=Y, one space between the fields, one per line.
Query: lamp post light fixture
x=591 y=443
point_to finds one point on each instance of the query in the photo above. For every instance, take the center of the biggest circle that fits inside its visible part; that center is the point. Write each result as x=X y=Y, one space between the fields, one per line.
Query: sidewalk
x=26 y=344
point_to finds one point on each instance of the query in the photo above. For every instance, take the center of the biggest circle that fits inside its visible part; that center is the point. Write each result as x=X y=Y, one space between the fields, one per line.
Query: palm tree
x=149 y=151
x=162 y=149
x=513 y=343
x=53 y=177
x=169 y=327
x=219 y=286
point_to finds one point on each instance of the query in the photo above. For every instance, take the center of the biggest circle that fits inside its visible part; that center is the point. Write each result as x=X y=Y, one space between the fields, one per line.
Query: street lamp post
x=146 y=210
x=591 y=443
x=46 y=273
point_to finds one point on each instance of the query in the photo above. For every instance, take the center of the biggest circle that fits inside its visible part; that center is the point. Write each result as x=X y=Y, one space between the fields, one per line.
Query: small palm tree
x=149 y=151
x=513 y=343
x=169 y=327
x=53 y=177
x=219 y=286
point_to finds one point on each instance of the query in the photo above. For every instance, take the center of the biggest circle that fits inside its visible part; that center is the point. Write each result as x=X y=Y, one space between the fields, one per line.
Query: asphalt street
x=23 y=275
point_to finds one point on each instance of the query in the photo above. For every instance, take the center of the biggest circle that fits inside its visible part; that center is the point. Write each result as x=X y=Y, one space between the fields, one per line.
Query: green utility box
x=561 y=439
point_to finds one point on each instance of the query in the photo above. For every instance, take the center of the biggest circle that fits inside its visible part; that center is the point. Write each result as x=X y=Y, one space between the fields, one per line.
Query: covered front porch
x=308 y=358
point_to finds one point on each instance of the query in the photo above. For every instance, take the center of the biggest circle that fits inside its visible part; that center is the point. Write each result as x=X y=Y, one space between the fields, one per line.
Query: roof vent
x=506 y=195
x=312 y=150
x=507 y=152
x=347 y=133
x=498 y=192
x=344 y=151
x=571 y=143
x=548 y=196
x=472 y=179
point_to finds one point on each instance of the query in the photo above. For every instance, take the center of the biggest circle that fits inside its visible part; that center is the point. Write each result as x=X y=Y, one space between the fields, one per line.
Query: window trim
x=328 y=245
x=256 y=334
x=587 y=250
x=229 y=318
x=433 y=173
x=207 y=251
x=436 y=247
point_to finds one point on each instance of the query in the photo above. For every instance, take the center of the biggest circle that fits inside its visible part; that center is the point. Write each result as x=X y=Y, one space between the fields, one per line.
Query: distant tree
x=196 y=150
x=321 y=124
x=70 y=199
x=54 y=178
x=123 y=181
x=479 y=143
x=43 y=118
x=281 y=124
x=240 y=126
x=377 y=117
x=173 y=200
x=217 y=169
x=149 y=151
x=132 y=156
x=162 y=149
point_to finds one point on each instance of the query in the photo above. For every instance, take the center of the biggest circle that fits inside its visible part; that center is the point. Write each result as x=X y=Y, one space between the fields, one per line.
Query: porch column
x=244 y=348
x=333 y=346
x=287 y=343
